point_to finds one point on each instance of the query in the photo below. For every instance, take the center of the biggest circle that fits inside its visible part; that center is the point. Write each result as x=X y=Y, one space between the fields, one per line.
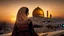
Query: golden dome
x=38 y=12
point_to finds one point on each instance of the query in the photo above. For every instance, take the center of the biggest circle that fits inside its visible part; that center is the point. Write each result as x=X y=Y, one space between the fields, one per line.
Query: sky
x=9 y=8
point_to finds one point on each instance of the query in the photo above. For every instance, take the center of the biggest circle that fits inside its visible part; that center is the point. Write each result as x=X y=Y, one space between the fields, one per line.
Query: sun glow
x=13 y=19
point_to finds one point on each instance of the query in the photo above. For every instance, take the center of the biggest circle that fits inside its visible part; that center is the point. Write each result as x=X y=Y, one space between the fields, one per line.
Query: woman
x=23 y=25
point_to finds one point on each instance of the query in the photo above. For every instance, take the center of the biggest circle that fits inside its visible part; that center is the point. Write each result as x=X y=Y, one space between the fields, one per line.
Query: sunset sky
x=9 y=8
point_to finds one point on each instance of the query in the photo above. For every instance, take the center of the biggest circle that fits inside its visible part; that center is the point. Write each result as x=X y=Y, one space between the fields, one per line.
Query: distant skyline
x=9 y=8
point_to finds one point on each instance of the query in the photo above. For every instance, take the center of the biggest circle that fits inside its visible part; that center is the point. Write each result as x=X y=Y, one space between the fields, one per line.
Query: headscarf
x=21 y=16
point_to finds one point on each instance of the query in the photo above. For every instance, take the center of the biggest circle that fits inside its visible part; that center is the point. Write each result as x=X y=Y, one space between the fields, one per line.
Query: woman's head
x=23 y=10
x=22 y=14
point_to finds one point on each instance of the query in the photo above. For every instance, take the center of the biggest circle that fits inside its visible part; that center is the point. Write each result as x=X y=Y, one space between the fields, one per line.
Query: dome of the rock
x=38 y=12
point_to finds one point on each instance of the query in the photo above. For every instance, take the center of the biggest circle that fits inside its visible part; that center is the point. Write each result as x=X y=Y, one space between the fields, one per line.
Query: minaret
x=47 y=13
x=51 y=18
x=50 y=15
x=43 y=14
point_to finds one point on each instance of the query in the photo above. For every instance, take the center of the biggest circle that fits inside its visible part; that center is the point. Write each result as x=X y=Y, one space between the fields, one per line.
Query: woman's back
x=26 y=30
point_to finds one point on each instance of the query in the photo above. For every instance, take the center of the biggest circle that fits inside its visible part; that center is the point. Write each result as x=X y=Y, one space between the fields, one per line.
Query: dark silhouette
x=37 y=26
x=49 y=27
x=23 y=26
x=52 y=27
x=61 y=35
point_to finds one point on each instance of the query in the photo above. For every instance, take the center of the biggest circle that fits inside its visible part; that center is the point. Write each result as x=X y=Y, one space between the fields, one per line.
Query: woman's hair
x=27 y=10
x=22 y=14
